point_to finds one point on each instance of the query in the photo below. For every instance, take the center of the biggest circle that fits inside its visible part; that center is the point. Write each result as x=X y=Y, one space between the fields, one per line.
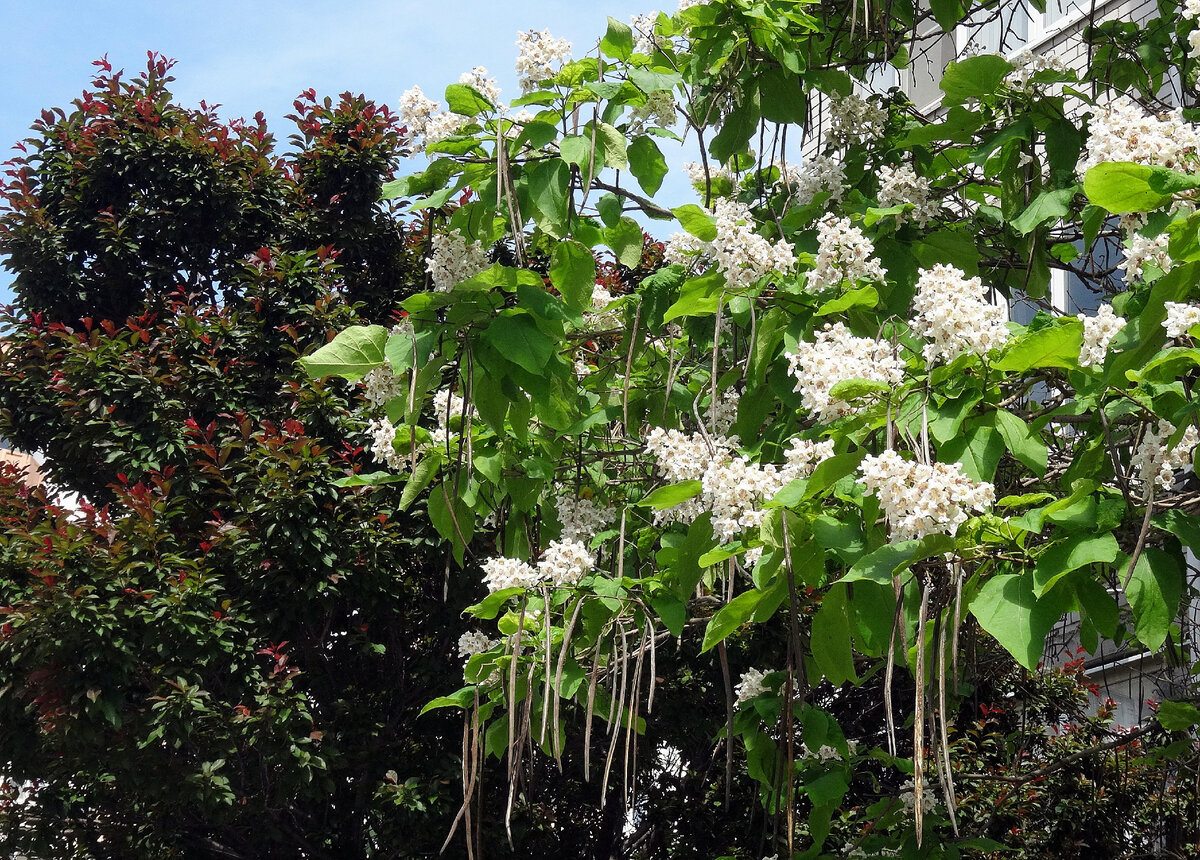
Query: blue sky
x=251 y=56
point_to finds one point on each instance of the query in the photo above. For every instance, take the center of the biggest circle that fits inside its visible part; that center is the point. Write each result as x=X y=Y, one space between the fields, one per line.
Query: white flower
x=820 y=173
x=1145 y=249
x=854 y=121
x=441 y=126
x=733 y=488
x=723 y=414
x=580 y=518
x=1123 y=131
x=486 y=86
x=445 y=407
x=700 y=178
x=643 y=32
x=383 y=435
x=415 y=112
x=659 y=110
x=539 y=55
x=381 y=385
x=474 y=642
x=835 y=356
x=1180 y=318
x=843 y=254
x=565 y=562
x=908 y=797
x=1098 y=332
x=919 y=499
x=899 y=185
x=453 y=260
x=750 y=685
x=1153 y=463
x=500 y=573
x=1027 y=64
x=741 y=255
x=953 y=313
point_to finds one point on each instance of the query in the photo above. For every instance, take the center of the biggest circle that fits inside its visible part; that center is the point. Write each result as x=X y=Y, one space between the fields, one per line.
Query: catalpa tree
x=808 y=446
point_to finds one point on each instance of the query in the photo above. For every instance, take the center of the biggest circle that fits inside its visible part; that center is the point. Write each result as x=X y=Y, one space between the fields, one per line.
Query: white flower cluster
x=474 y=642
x=898 y=185
x=954 y=314
x=645 y=40
x=565 y=562
x=659 y=110
x=599 y=317
x=920 y=499
x=1153 y=463
x=908 y=797
x=1180 y=318
x=818 y=174
x=486 y=86
x=1191 y=11
x=723 y=414
x=1098 y=332
x=1123 y=131
x=453 y=260
x=741 y=255
x=686 y=250
x=381 y=385
x=698 y=177
x=383 y=435
x=416 y=112
x=1145 y=249
x=688 y=4
x=580 y=518
x=1028 y=64
x=562 y=563
x=822 y=754
x=733 y=488
x=750 y=686
x=500 y=573
x=854 y=121
x=538 y=55
x=843 y=254
x=445 y=406
x=835 y=356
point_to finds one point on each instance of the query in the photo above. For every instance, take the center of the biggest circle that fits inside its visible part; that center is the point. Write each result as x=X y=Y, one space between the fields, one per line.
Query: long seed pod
x=919 y=718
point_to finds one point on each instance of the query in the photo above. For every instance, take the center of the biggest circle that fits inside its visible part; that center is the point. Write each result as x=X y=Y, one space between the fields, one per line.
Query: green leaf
x=490 y=606
x=867 y=297
x=626 y=241
x=853 y=389
x=739 y=124
x=1177 y=716
x=1022 y=441
x=466 y=100
x=1047 y=206
x=518 y=338
x=1073 y=553
x=884 y=563
x=978 y=450
x=1122 y=186
x=1053 y=346
x=831 y=642
x=576 y=149
x=974 y=78
x=370 y=479
x=352 y=354
x=538 y=301
x=1184 y=526
x=671 y=495
x=1153 y=593
x=697 y=297
x=612 y=144
x=652 y=80
x=1007 y=609
x=647 y=164
x=696 y=221
x=573 y=273
x=617 y=41
x=947 y=13
x=609 y=207
x=730 y=617
x=464 y=698
x=671 y=610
